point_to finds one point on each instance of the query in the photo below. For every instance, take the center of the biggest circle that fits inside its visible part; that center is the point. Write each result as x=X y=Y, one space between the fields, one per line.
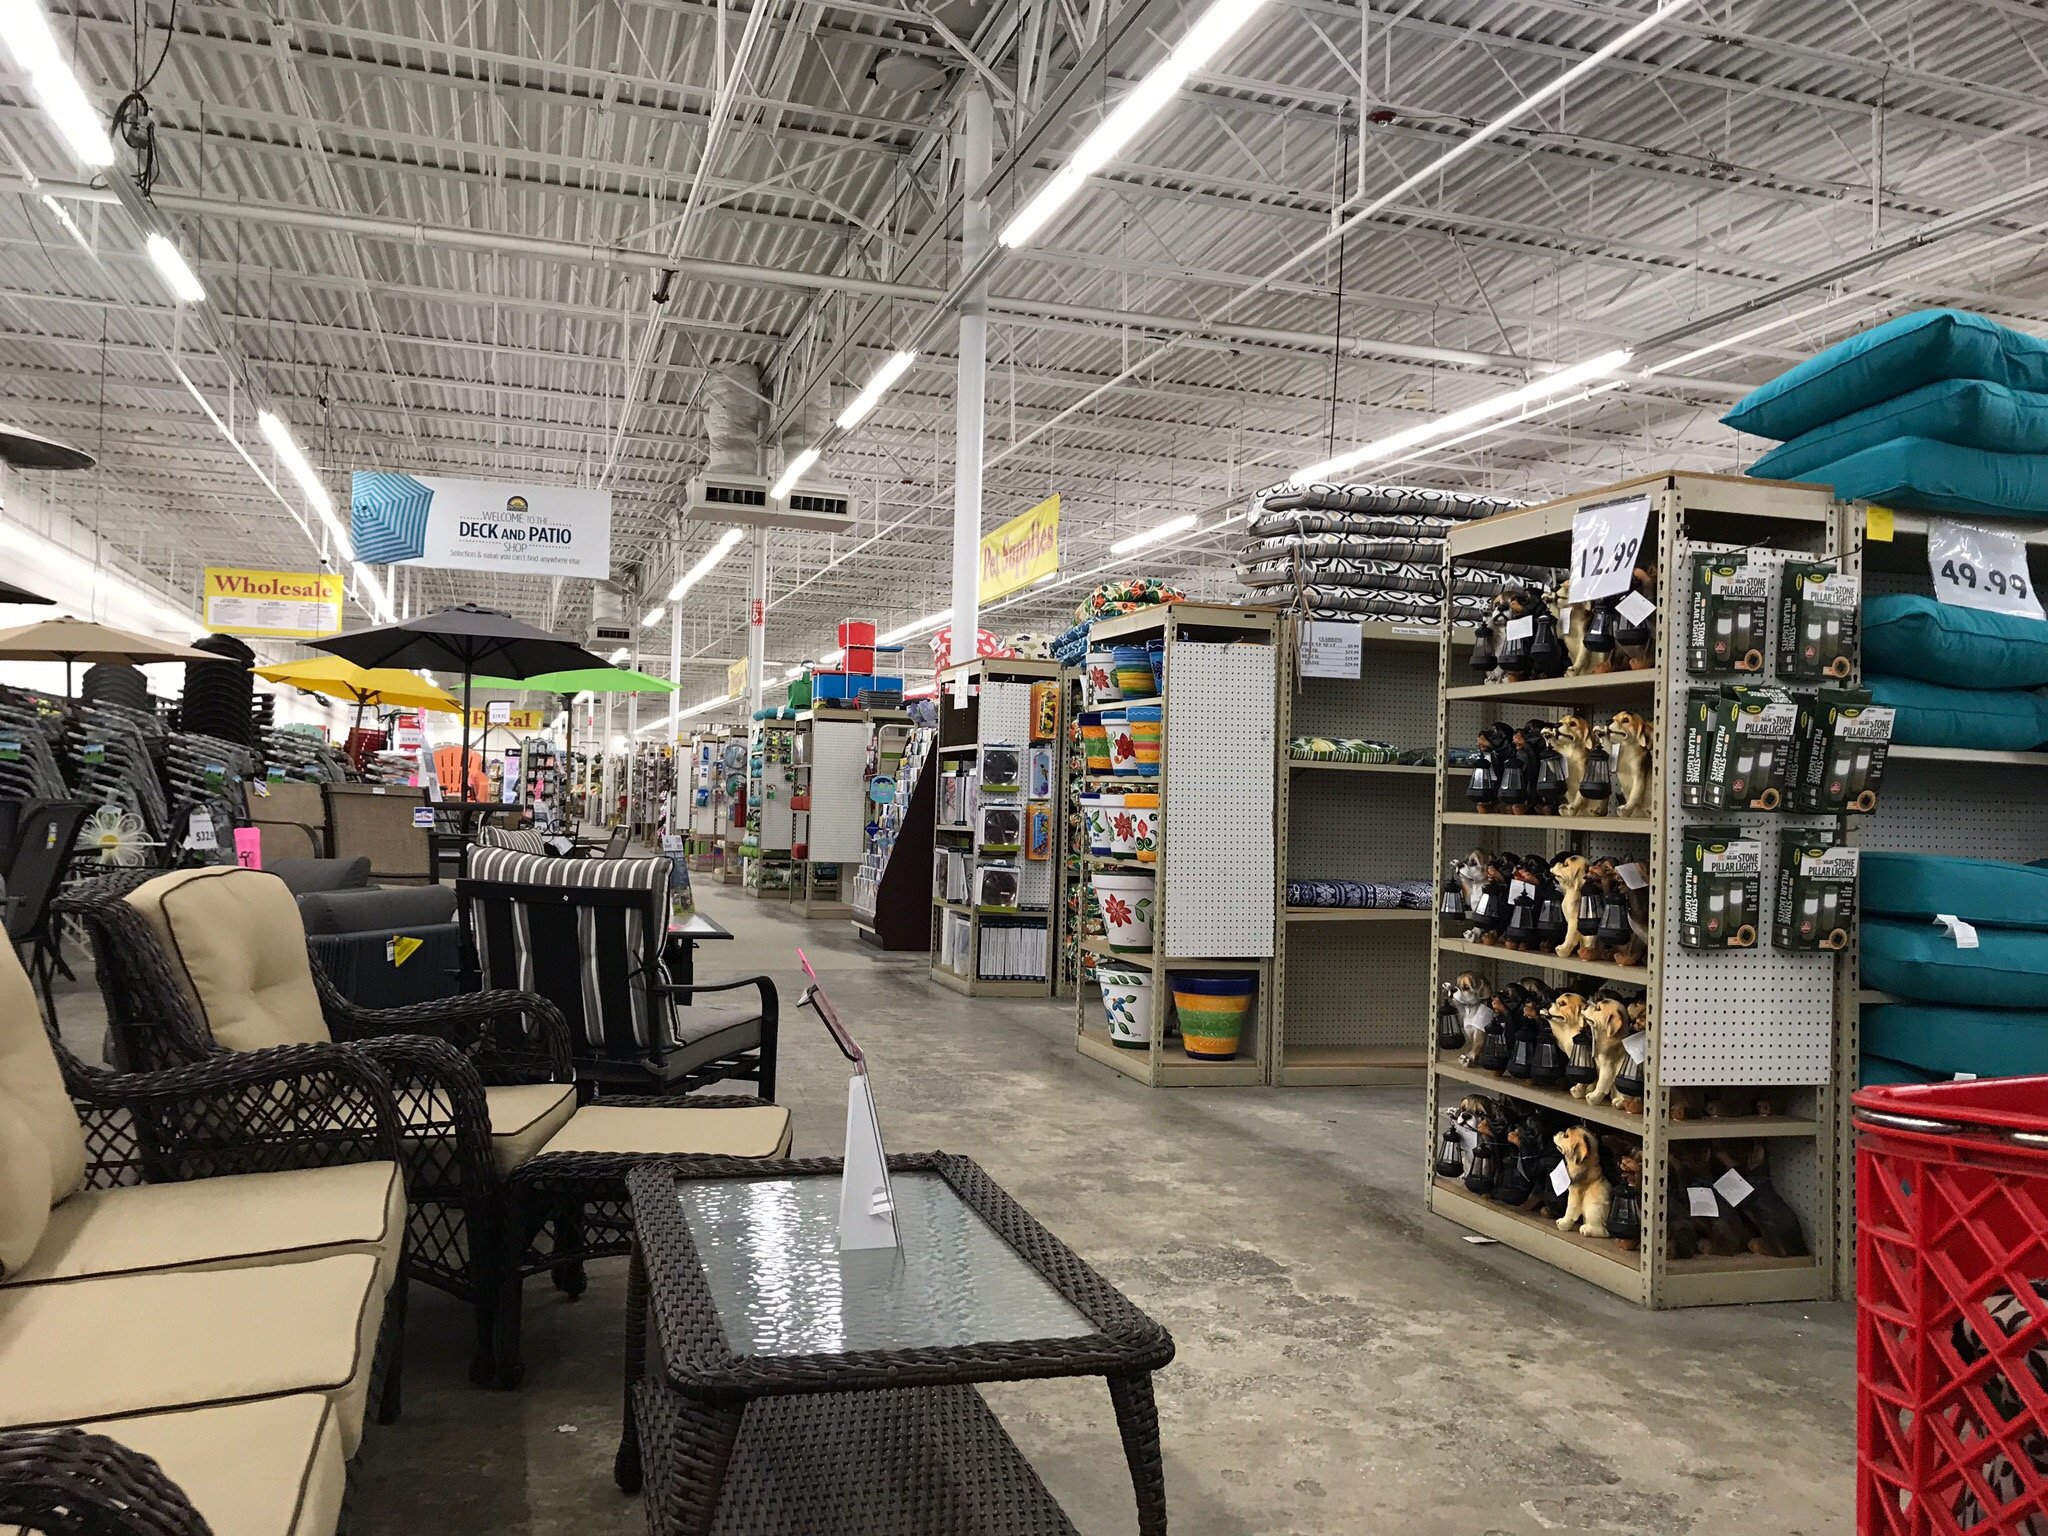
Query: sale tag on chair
x=1978 y=567
x=1606 y=542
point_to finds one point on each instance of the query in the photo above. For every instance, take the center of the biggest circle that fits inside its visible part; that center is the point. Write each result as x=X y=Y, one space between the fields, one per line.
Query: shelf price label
x=1333 y=648
x=1606 y=541
x=1978 y=567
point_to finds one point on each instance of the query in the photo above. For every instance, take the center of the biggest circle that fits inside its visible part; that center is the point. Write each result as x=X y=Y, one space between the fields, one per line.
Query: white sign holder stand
x=867 y=1202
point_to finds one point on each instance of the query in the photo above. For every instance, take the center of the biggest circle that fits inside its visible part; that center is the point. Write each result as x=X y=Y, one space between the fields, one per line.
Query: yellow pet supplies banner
x=1023 y=550
x=276 y=605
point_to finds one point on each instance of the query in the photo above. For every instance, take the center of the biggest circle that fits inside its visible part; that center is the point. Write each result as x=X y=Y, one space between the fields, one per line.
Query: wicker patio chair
x=66 y=1482
x=377 y=820
x=589 y=933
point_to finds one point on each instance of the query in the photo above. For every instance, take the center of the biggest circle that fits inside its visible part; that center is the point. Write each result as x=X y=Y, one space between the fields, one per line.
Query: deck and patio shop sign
x=480 y=525
x=278 y=605
x=1022 y=551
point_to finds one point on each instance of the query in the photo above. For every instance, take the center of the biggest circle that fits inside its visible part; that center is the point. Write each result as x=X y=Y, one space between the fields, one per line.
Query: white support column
x=675 y=673
x=600 y=759
x=976 y=135
x=757 y=625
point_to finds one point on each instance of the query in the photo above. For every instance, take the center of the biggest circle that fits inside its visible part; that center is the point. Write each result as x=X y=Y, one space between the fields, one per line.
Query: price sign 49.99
x=1607 y=541
x=1978 y=567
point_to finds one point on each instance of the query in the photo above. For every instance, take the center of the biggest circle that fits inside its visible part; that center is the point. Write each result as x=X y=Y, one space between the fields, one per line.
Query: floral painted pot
x=1213 y=1011
x=1127 y=900
x=1095 y=741
x=1133 y=671
x=1127 y=1004
x=1123 y=747
x=1143 y=809
x=1143 y=722
x=1098 y=678
x=1095 y=818
x=1123 y=829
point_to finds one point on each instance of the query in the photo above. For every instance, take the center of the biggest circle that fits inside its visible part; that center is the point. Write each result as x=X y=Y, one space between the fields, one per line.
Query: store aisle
x=1346 y=1364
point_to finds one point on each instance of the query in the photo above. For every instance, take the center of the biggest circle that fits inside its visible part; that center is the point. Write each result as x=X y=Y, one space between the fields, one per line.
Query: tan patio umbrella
x=74 y=640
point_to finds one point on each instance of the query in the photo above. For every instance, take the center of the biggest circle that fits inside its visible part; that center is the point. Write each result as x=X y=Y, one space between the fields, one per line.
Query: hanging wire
x=1337 y=325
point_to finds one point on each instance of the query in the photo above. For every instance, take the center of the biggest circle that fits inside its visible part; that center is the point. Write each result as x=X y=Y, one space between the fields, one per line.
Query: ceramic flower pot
x=1143 y=809
x=1143 y=722
x=1123 y=747
x=1213 y=1011
x=1133 y=671
x=1123 y=829
x=1095 y=742
x=1127 y=1004
x=1098 y=678
x=1127 y=900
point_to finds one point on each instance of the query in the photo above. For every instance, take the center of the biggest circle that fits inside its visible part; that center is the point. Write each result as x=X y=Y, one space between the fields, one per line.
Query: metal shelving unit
x=1355 y=821
x=982 y=703
x=1217 y=871
x=1757 y=1017
x=771 y=824
x=830 y=773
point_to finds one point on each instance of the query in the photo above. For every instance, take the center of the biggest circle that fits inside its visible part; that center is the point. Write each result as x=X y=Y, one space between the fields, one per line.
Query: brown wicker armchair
x=66 y=1482
x=449 y=1064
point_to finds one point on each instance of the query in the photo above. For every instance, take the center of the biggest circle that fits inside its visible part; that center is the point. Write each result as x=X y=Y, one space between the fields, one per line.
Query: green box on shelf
x=1719 y=873
x=1816 y=907
x=1727 y=599
x=1818 y=608
x=1844 y=739
x=1738 y=747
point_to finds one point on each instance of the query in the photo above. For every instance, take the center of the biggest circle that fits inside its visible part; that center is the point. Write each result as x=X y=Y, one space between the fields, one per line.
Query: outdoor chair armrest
x=771 y=1015
x=71 y=1483
x=507 y=1036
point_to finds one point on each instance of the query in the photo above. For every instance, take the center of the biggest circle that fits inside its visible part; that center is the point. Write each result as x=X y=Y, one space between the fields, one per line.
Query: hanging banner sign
x=498 y=717
x=480 y=525
x=279 y=605
x=736 y=679
x=1023 y=550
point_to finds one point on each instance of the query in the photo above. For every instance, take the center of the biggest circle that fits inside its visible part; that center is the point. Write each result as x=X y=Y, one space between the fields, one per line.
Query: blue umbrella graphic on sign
x=388 y=516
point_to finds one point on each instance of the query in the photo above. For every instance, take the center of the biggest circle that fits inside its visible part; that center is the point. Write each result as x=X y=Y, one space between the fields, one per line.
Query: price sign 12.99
x=1978 y=567
x=1606 y=543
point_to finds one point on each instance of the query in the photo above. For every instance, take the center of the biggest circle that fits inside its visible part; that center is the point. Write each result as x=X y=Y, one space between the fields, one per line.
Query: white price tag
x=423 y=816
x=1520 y=629
x=1632 y=875
x=1637 y=1045
x=1560 y=1179
x=1701 y=1202
x=1733 y=1187
x=260 y=787
x=498 y=712
x=1333 y=648
x=1978 y=567
x=1635 y=608
x=1605 y=543
x=1965 y=934
x=1964 y=1077
x=199 y=833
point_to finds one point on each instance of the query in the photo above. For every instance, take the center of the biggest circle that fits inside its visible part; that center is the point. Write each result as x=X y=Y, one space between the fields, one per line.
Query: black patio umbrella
x=10 y=593
x=468 y=639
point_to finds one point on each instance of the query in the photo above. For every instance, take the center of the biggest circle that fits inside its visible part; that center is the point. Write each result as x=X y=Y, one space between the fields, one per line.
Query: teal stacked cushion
x=1879 y=1073
x=1987 y=1042
x=1908 y=635
x=1927 y=476
x=1968 y=413
x=1980 y=891
x=1918 y=960
x=1887 y=361
x=1983 y=719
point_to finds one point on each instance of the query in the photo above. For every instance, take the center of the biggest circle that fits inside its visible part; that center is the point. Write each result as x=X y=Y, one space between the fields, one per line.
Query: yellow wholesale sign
x=278 y=605
x=1022 y=551
x=736 y=679
x=526 y=722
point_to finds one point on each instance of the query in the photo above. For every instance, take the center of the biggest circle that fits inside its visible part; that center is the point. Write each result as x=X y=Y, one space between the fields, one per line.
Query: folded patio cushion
x=24 y=1189
x=748 y=1132
x=237 y=948
x=1928 y=476
x=1980 y=719
x=1908 y=635
x=31 y=1081
x=274 y=1467
x=1970 y=413
x=232 y=1222
x=1989 y=1042
x=1987 y=892
x=126 y=1344
x=1918 y=960
x=377 y=908
x=1889 y=360
x=302 y=877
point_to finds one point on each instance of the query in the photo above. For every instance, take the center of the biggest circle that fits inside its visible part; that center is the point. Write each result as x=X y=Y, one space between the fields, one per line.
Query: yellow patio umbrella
x=384 y=687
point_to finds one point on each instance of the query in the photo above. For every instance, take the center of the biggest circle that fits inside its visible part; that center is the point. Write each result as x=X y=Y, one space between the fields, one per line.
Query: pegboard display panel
x=1394 y=701
x=1336 y=993
x=838 y=816
x=1216 y=833
x=1006 y=713
x=1735 y=1017
x=1957 y=807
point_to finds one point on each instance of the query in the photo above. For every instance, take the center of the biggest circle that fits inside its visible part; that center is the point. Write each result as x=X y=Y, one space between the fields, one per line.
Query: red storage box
x=854 y=632
x=1952 y=1317
x=859 y=660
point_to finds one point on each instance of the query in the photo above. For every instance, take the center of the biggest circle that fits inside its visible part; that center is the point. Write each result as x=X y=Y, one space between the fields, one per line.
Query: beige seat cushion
x=238 y=949
x=523 y=1117
x=127 y=1344
x=32 y=1081
x=226 y=1223
x=749 y=1132
x=24 y=1189
x=269 y=1468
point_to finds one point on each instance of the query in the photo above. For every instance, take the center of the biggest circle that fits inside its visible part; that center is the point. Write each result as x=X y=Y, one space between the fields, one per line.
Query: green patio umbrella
x=566 y=685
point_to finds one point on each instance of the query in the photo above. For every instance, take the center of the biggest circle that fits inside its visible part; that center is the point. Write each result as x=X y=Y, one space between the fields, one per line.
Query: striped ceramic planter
x=1213 y=1011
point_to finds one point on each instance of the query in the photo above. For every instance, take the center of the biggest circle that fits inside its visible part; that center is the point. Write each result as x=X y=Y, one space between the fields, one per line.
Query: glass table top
x=769 y=1250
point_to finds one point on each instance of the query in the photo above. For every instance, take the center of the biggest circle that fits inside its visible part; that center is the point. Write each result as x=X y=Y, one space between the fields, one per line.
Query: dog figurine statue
x=1469 y=995
x=1579 y=660
x=1570 y=874
x=1572 y=737
x=1608 y=1020
x=1628 y=739
x=1589 y=1196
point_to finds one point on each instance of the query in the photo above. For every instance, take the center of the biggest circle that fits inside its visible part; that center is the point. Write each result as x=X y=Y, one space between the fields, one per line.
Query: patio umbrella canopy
x=382 y=687
x=582 y=680
x=74 y=640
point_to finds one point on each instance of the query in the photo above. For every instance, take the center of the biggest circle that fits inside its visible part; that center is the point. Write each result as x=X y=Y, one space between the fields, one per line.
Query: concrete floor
x=1346 y=1362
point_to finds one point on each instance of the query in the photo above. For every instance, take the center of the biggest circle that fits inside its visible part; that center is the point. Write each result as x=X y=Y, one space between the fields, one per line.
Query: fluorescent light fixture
x=279 y=436
x=871 y=396
x=703 y=567
x=652 y=617
x=684 y=714
x=830 y=657
x=928 y=622
x=792 y=674
x=177 y=272
x=618 y=656
x=1507 y=404
x=63 y=216
x=26 y=31
x=585 y=697
x=380 y=599
x=1165 y=530
x=798 y=468
x=1143 y=102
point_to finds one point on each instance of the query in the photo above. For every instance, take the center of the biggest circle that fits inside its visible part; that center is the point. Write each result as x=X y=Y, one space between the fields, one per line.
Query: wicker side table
x=775 y=1385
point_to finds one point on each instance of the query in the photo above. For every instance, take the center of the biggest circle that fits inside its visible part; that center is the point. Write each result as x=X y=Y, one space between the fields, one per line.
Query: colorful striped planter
x=1213 y=1011
x=1133 y=671
x=1095 y=741
x=1143 y=722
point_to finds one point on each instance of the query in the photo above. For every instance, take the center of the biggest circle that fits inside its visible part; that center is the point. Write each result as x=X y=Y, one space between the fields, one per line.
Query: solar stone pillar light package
x=1843 y=741
x=1753 y=748
x=1818 y=609
x=1727 y=603
x=1816 y=908
x=1719 y=875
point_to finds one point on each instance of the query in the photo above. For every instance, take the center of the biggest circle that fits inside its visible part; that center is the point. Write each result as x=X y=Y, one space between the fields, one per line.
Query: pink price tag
x=249 y=847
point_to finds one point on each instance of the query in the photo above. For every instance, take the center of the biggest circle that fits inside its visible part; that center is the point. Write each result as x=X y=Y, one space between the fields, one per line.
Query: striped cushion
x=518 y=839
x=651 y=876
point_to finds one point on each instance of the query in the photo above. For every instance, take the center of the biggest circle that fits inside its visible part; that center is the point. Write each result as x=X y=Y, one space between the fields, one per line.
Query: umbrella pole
x=462 y=767
x=568 y=775
x=356 y=731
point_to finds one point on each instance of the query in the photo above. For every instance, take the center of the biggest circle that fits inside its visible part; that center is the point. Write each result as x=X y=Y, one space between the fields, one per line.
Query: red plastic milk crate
x=1952 y=1317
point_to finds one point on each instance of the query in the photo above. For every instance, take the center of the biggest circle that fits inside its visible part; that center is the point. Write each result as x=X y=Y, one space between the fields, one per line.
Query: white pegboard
x=1006 y=714
x=1216 y=829
x=838 y=817
x=1759 y=1016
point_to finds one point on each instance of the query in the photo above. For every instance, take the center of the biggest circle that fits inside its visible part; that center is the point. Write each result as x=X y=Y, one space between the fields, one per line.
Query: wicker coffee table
x=776 y=1385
